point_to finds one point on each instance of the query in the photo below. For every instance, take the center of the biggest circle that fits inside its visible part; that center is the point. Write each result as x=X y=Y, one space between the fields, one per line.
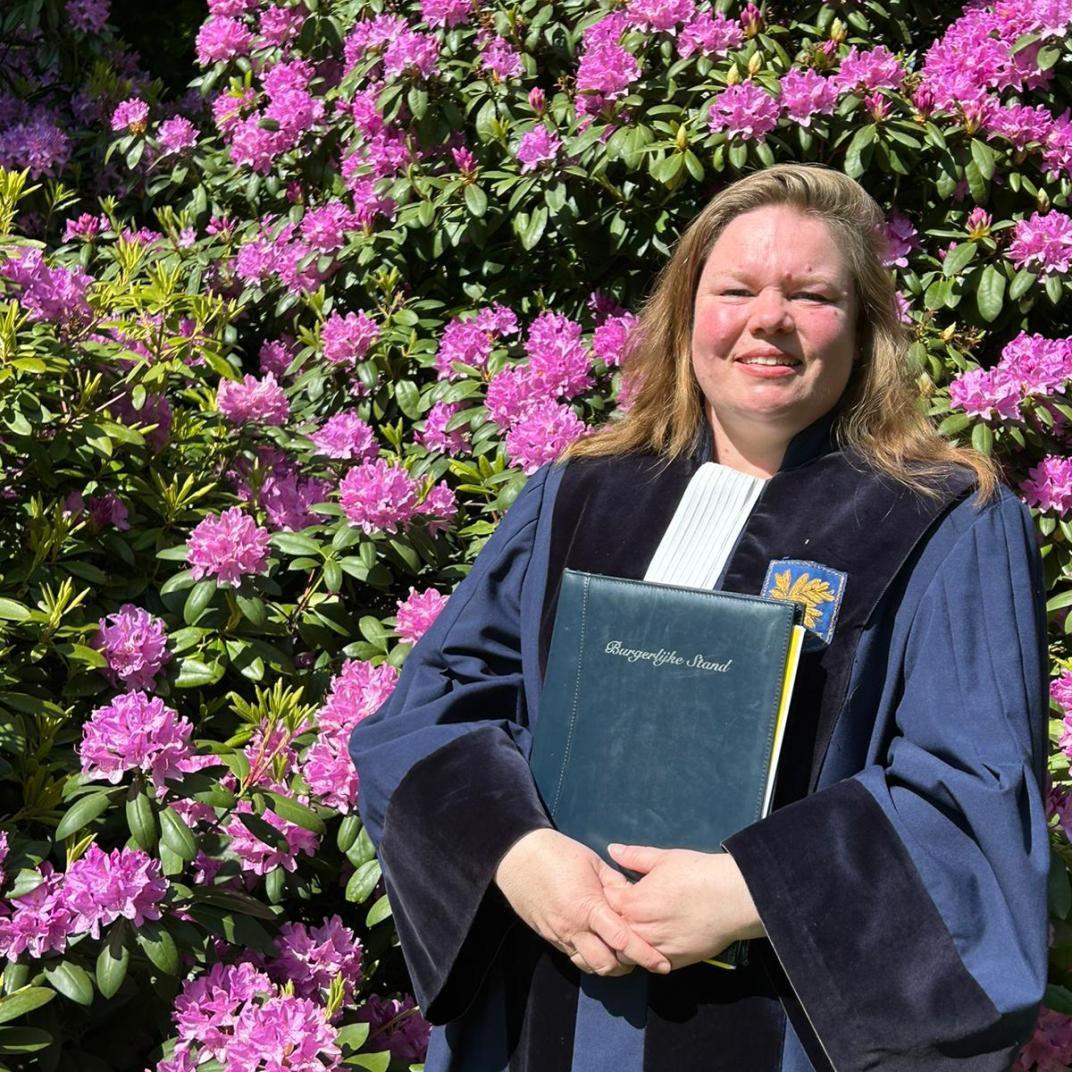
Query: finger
x=609 y=877
x=597 y=953
x=615 y=896
x=621 y=938
x=641 y=858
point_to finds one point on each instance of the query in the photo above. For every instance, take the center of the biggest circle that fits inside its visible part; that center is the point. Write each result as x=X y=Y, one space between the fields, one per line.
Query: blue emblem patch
x=818 y=589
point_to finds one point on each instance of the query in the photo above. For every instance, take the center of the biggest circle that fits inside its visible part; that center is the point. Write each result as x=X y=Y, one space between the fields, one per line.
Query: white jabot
x=705 y=526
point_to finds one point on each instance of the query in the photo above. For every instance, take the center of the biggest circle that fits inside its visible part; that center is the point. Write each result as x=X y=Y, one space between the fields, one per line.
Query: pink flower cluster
x=131 y=116
x=398 y=1024
x=347 y=338
x=499 y=56
x=901 y=238
x=1050 y=1047
x=311 y=957
x=542 y=434
x=610 y=338
x=154 y=417
x=744 y=111
x=96 y=890
x=237 y=1016
x=228 y=547
x=276 y=355
x=135 y=644
x=538 y=146
x=356 y=692
x=1049 y=484
x=435 y=436
x=276 y=484
x=222 y=38
x=1030 y=365
x=1042 y=243
x=135 y=732
x=57 y=295
x=806 y=93
x=446 y=12
x=378 y=495
x=470 y=341
x=259 y=857
x=261 y=400
x=866 y=71
x=607 y=69
x=417 y=612
x=176 y=135
x=346 y=436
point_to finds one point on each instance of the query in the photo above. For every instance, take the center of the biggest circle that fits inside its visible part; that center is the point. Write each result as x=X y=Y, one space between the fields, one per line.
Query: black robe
x=901 y=877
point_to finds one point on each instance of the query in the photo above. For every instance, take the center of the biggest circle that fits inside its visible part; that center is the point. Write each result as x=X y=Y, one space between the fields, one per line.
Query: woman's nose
x=771 y=312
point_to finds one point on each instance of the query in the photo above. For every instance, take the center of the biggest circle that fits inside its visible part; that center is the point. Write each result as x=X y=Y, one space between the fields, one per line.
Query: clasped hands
x=686 y=906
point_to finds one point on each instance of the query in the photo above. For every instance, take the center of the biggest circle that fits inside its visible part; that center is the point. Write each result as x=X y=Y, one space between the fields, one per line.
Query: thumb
x=609 y=877
x=640 y=858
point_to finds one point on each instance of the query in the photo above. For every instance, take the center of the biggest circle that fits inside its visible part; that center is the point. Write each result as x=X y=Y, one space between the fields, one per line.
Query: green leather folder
x=662 y=713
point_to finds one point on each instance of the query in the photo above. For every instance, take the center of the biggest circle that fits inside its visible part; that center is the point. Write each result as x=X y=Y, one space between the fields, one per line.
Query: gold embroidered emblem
x=810 y=594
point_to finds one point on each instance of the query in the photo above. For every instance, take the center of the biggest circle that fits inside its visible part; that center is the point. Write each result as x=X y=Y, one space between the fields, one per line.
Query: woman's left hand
x=688 y=905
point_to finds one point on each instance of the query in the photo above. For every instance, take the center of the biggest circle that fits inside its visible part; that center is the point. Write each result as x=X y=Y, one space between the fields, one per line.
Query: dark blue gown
x=902 y=877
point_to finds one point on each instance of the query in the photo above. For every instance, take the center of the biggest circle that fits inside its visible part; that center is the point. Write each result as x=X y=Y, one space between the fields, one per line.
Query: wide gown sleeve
x=445 y=787
x=907 y=904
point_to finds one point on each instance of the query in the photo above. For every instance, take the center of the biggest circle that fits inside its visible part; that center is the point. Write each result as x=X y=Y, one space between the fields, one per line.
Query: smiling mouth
x=772 y=361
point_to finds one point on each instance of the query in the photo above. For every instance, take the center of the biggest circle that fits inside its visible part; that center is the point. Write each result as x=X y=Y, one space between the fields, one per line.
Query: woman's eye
x=738 y=292
x=811 y=295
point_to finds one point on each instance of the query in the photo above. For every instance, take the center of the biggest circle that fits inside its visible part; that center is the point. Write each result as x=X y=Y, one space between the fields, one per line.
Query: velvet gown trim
x=451 y=917
x=871 y=919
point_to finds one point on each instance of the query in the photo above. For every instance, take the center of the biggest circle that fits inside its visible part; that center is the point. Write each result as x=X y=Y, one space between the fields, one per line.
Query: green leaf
x=293 y=812
x=253 y=609
x=861 y=149
x=23 y=1039
x=983 y=438
x=380 y=911
x=262 y=829
x=194 y=672
x=198 y=600
x=1054 y=289
x=536 y=226
x=141 y=821
x=13 y=612
x=71 y=980
x=234 y=901
x=294 y=543
x=1058 y=999
x=373 y=631
x=176 y=835
x=954 y=424
x=83 y=812
x=158 y=945
x=1022 y=282
x=363 y=882
x=983 y=157
x=990 y=293
x=353 y=1035
x=958 y=258
x=476 y=201
x=373 y=1062
x=23 y=1001
x=1064 y=599
x=408 y=397
x=977 y=182
x=113 y=961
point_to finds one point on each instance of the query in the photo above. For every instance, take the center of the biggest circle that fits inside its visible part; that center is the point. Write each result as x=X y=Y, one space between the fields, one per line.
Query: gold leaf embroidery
x=809 y=593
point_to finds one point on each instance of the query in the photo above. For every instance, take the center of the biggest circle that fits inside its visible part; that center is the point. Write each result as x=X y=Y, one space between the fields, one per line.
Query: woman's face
x=773 y=335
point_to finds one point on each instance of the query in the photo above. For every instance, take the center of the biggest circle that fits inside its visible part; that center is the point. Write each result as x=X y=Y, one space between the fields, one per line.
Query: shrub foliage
x=275 y=356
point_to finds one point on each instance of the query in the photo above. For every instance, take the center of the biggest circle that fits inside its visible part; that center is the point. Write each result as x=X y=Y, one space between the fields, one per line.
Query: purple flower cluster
x=96 y=890
x=276 y=484
x=398 y=1025
x=379 y=496
x=346 y=436
x=470 y=341
x=1030 y=365
x=538 y=146
x=311 y=957
x=135 y=644
x=31 y=137
x=417 y=612
x=347 y=338
x=262 y=400
x=131 y=116
x=744 y=111
x=610 y=338
x=135 y=732
x=435 y=436
x=258 y=857
x=1042 y=243
x=228 y=547
x=1050 y=1047
x=57 y=295
x=1049 y=485
x=606 y=69
x=177 y=134
x=901 y=238
x=356 y=692
x=237 y=1016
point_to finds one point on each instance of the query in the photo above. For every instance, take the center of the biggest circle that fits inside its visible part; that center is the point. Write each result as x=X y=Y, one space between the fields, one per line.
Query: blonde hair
x=878 y=416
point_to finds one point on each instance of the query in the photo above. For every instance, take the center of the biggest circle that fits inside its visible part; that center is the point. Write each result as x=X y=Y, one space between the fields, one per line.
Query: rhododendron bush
x=278 y=352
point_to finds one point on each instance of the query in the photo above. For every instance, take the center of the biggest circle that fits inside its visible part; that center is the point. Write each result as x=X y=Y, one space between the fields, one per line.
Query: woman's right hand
x=555 y=884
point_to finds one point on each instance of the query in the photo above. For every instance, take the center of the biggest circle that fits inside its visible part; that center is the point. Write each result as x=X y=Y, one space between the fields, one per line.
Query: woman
x=896 y=894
